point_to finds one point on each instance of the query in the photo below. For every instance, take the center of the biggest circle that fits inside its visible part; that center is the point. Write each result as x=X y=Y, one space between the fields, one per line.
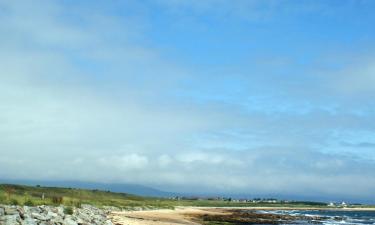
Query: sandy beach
x=189 y=215
x=181 y=215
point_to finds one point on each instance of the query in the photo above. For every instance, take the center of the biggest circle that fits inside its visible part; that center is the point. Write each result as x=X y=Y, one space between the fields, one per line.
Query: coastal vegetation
x=73 y=197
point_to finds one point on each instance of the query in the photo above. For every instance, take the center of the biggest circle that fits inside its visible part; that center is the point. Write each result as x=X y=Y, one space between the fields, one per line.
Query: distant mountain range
x=120 y=188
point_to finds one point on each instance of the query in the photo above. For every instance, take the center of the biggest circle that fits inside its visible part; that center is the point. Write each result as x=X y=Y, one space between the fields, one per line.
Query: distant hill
x=119 y=188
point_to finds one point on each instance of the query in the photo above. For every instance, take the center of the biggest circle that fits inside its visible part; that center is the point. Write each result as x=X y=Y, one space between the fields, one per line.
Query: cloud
x=360 y=145
x=125 y=162
x=164 y=160
x=86 y=95
x=359 y=79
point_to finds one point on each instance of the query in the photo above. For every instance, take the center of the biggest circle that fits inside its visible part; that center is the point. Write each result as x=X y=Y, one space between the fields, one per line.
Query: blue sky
x=250 y=97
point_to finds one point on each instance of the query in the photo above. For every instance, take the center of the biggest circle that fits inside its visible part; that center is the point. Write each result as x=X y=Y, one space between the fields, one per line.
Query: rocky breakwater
x=50 y=215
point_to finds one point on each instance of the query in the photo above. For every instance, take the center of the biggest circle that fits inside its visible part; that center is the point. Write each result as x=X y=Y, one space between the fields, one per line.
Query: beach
x=181 y=215
x=244 y=215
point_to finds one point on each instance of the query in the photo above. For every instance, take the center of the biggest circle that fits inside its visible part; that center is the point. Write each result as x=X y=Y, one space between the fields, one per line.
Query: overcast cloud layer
x=253 y=97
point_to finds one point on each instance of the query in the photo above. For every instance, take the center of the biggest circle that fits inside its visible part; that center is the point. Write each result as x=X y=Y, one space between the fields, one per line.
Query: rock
x=44 y=223
x=84 y=216
x=50 y=215
x=57 y=220
x=108 y=222
x=69 y=221
x=11 y=211
x=21 y=212
x=38 y=216
x=29 y=221
x=11 y=220
x=60 y=211
x=30 y=210
x=2 y=211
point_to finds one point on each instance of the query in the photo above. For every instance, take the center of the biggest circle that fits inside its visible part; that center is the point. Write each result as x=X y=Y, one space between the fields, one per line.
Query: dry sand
x=181 y=215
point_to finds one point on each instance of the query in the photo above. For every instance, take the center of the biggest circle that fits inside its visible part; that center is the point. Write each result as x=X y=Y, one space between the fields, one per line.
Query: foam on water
x=330 y=217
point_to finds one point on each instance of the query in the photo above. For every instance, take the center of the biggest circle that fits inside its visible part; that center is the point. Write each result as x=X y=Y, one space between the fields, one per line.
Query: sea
x=329 y=217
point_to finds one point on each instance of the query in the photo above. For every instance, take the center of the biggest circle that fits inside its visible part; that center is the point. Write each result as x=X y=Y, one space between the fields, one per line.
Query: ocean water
x=330 y=217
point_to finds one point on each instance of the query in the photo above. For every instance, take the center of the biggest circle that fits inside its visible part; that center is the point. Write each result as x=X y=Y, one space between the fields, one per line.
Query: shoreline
x=196 y=215
x=188 y=215
x=272 y=208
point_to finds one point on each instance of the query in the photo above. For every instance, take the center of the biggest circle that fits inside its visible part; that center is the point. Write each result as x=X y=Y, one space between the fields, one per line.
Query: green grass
x=68 y=210
x=30 y=195
x=27 y=195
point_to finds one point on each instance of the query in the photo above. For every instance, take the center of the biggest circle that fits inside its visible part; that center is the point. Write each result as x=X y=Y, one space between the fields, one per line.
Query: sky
x=249 y=97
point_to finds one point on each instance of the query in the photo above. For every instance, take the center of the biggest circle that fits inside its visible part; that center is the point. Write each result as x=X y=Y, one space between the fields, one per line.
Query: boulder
x=69 y=221
x=60 y=211
x=2 y=211
x=57 y=220
x=11 y=211
x=44 y=223
x=108 y=222
x=82 y=215
x=30 y=210
x=29 y=221
x=39 y=217
x=21 y=212
x=51 y=215
x=11 y=220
